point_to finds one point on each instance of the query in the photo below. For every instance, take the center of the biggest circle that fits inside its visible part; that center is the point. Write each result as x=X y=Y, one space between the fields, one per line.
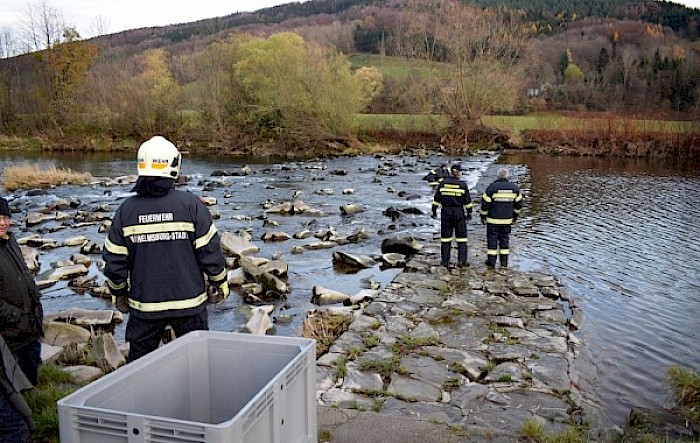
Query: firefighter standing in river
x=500 y=206
x=160 y=247
x=436 y=175
x=453 y=196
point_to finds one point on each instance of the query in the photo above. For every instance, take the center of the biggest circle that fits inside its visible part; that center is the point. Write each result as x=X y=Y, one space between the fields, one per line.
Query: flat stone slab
x=414 y=390
x=361 y=381
x=436 y=413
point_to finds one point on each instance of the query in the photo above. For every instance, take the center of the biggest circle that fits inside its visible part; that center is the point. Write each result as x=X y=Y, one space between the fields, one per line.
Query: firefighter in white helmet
x=160 y=251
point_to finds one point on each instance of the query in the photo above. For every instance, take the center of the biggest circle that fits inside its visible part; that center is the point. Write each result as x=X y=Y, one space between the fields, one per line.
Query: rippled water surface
x=624 y=235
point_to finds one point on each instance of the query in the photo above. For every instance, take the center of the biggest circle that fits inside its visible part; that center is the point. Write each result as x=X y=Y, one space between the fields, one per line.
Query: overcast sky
x=119 y=15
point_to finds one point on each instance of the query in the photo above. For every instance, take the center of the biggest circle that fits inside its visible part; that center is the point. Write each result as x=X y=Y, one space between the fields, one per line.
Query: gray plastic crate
x=206 y=386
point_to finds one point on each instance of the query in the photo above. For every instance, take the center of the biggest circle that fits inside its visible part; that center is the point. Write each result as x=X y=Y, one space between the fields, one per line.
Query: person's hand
x=483 y=219
x=120 y=298
x=121 y=302
x=515 y=218
x=218 y=292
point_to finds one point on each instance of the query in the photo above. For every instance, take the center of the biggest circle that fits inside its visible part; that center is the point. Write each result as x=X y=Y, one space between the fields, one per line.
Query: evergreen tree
x=564 y=61
x=658 y=64
x=603 y=60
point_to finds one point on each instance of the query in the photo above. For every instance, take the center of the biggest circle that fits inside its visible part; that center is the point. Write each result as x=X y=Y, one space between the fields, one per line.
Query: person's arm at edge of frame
x=209 y=254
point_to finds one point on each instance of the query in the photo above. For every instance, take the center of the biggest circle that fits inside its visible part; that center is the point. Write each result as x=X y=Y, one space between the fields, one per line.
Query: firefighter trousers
x=452 y=220
x=145 y=335
x=497 y=243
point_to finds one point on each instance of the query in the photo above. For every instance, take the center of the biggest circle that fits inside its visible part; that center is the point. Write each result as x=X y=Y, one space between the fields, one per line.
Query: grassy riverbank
x=53 y=385
x=385 y=132
x=431 y=123
x=553 y=133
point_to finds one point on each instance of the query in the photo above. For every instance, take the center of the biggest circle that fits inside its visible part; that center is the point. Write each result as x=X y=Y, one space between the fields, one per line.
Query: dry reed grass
x=619 y=137
x=635 y=130
x=325 y=327
x=28 y=176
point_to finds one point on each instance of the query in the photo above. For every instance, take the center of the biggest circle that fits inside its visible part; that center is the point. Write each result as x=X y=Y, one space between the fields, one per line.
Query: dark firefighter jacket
x=159 y=247
x=21 y=313
x=436 y=175
x=452 y=192
x=500 y=202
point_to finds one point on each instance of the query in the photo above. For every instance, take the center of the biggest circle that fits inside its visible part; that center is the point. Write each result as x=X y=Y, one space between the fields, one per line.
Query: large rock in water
x=93 y=320
x=237 y=245
x=402 y=244
x=31 y=258
x=324 y=296
x=278 y=268
x=352 y=260
x=105 y=352
x=266 y=279
x=394 y=260
x=62 y=334
x=260 y=321
x=67 y=272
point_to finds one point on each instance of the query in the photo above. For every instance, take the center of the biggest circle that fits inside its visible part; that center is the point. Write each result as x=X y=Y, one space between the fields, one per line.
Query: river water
x=622 y=235
x=378 y=183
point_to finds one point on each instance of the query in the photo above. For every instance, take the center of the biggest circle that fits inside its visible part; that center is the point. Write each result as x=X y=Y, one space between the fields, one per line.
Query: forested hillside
x=552 y=14
x=547 y=16
x=282 y=75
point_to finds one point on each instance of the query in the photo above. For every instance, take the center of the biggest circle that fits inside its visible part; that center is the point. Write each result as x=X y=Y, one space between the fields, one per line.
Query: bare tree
x=339 y=35
x=628 y=62
x=42 y=27
x=99 y=25
x=8 y=43
x=477 y=59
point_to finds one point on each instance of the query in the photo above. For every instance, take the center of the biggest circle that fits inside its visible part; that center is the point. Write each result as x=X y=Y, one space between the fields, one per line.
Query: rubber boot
x=462 y=255
x=491 y=261
x=445 y=250
x=121 y=303
x=504 y=260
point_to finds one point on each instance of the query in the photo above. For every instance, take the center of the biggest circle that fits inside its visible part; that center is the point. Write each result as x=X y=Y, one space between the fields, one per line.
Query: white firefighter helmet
x=158 y=157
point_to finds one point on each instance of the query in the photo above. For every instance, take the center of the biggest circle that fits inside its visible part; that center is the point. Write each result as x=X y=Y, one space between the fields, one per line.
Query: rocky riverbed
x=639 y=301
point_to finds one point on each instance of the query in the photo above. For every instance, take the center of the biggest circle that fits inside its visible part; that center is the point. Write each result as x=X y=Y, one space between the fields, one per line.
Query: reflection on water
x=625 y=237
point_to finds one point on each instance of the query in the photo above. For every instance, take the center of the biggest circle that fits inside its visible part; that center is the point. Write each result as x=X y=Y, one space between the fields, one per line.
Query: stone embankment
x=480 y=350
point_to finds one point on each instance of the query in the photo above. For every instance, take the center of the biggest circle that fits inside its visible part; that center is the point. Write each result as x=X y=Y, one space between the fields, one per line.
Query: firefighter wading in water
x=161 y=247
x=500 y=206
x=453 y=195
x=435 y=176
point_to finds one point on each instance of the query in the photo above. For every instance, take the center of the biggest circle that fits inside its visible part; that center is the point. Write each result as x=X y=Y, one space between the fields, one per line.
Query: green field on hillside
x=422 y=123
x=430 y=123
x=396 y=66
x=556 y=122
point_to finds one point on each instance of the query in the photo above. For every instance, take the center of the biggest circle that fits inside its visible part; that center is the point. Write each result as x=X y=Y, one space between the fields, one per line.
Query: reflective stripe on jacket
x=435 y=176
x=501 y=200
x=453 y=192
x=160 y=249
